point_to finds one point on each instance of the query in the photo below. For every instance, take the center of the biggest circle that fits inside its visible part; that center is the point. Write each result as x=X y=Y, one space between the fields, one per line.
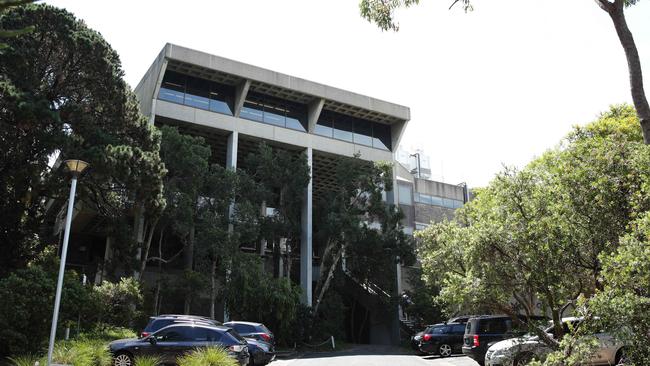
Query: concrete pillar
x=231 y=163
x=306 y=238
x=313 y=112
x=156 y=90
x=241 y=91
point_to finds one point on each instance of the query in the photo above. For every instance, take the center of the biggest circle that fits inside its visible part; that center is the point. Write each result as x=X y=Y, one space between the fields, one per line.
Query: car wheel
x=524 y=358
x=620 y=357
x=444 y=350
x=123 y=359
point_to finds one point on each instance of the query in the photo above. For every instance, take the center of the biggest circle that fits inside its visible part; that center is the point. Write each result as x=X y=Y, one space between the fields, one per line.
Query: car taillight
x=266 y=337
x=476 y=342
x=144 y=334
x=426 y=337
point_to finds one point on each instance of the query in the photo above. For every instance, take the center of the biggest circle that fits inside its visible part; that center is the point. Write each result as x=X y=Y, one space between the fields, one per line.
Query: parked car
x=483 y=331
x=522 y=350
x=161 y=321
x=261 y=352
x=443 y=339
x=461 y=319
x=415 y=339
x=177 y=339
x=252 y=330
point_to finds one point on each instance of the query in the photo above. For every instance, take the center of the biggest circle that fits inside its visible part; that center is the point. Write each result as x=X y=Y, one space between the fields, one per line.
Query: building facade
x=234 y=106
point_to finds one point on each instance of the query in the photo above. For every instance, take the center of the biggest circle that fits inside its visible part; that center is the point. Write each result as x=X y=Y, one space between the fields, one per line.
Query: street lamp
x=76 y=167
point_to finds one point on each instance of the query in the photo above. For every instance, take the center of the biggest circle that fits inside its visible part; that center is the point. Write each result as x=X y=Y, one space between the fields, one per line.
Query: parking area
x=373 y=356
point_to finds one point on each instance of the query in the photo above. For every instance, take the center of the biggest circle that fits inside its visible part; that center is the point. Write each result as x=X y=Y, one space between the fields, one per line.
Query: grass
x=147 y=361
x=211 y=356
x=27 y=360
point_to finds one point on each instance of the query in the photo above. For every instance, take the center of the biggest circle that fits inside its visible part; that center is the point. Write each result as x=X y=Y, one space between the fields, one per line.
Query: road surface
x=372 y=356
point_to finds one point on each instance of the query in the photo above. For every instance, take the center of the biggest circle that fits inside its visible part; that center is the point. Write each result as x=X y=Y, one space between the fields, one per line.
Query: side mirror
x=152 y=340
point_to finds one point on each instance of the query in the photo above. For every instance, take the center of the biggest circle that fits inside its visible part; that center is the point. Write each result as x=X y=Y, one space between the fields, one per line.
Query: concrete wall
x=439 y=189
x=425 y=214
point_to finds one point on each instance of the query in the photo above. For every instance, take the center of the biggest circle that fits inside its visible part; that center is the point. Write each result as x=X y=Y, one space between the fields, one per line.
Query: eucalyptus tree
x=62 y=94
x=381 y=12
x=538 y=235
x=283 y=176
x=347 y=210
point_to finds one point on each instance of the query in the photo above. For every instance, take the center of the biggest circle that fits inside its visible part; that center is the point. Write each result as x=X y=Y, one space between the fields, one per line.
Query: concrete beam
x=241 y=91
x=306 y=250
x=313 y=113
x=156 y=91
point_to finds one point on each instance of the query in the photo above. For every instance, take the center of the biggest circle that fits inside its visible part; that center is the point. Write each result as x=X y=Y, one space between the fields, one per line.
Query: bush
x=252 y=294
x=211 y=356
x=147 y=361
x=120 y=303
x=26 y=304
x=107 y=333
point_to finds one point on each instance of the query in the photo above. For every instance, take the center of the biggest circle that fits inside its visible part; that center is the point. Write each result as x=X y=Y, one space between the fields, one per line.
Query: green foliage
x=106 y=333
x=119 y=302
x=210 y=356
x=26 y=302
x=252 y=294
x=28 y=360
x=382 y=12
x=562 y=213
x=61 y=92
x=82 y=352
x=147 y=360
x=622 y=305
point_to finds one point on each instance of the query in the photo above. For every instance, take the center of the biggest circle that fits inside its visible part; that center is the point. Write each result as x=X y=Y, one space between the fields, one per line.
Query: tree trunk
x=616 y=11
x=189 y=265
x=138 y=232
x=156 y=298
x=213 y=287
x=326 y=285
x=323 y=270
x=276 y=259
x=147 y=245
x=363 y=324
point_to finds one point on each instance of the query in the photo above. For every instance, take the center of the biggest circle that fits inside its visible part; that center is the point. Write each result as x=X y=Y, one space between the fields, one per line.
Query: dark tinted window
x=458 y=328
x=244 y=328
x=362 y=132
x=236 y=335
x=263 y=108
x=159 y=324
x=439 y=330
x=197 y=93
x=206 y=335
x=493 y=326
x=323 y=128
x=175 y=334
x=381 y=137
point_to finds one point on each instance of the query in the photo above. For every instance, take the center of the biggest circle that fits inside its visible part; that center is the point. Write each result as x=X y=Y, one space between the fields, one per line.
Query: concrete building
x=234 y=106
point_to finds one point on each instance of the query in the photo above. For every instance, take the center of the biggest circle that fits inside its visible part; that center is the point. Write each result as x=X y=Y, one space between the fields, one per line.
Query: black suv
x=483 y=331
x=161 y=321
x=177 y=339
x=443 y=339
x=252 y=330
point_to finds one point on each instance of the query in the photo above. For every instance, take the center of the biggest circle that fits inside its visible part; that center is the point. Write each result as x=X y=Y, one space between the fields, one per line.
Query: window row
x=351 y=129
x=197 y=93
x=274 y=111
x=438 y=201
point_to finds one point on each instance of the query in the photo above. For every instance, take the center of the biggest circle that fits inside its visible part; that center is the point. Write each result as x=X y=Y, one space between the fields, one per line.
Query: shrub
x=211 y=356
x=119 y=302
x=147 y=360
x=26 y=303
x=28 y=360
x=107 y=333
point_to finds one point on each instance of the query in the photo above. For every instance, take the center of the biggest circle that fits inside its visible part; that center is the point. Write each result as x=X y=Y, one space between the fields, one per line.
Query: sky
x=490 y=88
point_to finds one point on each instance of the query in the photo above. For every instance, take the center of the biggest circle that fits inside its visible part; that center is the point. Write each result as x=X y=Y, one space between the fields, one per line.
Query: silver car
x=520 y=351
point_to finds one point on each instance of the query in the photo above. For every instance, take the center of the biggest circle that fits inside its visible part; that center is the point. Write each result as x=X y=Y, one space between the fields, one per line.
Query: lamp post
x=76 y=167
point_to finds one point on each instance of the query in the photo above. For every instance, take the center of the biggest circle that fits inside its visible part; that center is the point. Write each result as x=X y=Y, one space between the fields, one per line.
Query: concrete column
x=241 y=91
x=313 y=112
x=231 y=163
x=156 y=90
x=306 y=238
